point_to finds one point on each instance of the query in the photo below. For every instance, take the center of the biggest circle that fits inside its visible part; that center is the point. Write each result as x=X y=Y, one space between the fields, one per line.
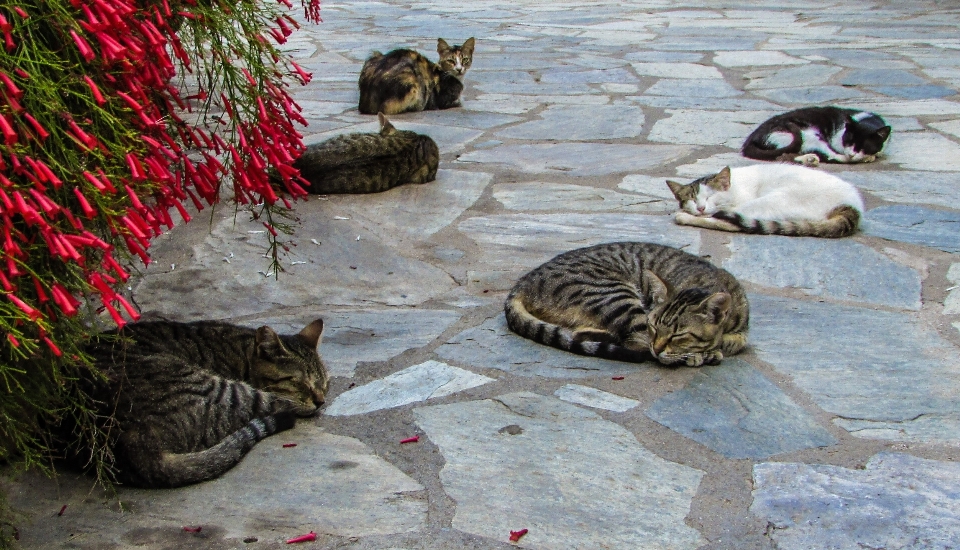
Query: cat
x=828 y=134
x=189 y=400
x=771 y=199
x=632 y=301
x=369 y=163
x=404 y=80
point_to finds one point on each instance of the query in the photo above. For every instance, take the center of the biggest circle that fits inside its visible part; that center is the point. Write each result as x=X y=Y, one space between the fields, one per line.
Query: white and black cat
x=771 y=199
x=833 y=134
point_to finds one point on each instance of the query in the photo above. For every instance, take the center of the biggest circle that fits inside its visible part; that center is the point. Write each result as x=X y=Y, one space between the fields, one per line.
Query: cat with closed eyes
x=405 y=80
x=632 y=301
x=770 y=199
x=188 y=400
x=814 y=134
x=369 y=162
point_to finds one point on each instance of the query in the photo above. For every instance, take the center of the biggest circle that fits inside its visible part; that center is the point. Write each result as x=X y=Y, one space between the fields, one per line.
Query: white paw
x=683 y=218
x=810 y=159
x=869 y=158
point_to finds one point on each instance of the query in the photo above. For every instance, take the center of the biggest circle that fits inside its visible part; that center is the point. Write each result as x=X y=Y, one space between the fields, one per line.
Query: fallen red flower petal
x=309 y=537
x=515 y=535
x=288 y=445
x=192 y=529
x=618 y=378
x=62 y=510
x=413 y=439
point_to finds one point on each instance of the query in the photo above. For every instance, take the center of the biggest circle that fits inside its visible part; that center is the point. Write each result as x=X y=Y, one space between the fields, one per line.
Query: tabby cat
x=632 y=302
x=829 y=134
x=190 y=399
x=404 y=80
x=779 y=199
x=369 y=163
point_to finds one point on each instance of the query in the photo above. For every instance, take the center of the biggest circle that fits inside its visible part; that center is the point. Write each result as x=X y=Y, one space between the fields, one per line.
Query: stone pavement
x=838 y=428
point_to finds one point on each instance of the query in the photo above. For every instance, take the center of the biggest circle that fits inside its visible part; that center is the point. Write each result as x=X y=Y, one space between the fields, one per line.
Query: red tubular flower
x=20 y=12
x=8 y=132
x=97 y=96
x=42 y=132
x=88 y=210
x=8 y=83
x=56 y=351
x=67 y=303
x=31 y=312
x=83 y=46
x=134 y=314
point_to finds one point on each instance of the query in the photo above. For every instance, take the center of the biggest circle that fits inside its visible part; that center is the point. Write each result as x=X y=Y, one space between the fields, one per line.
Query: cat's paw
x=713 y=358
x=684 y=218
x=810 y=159
x=869 y=158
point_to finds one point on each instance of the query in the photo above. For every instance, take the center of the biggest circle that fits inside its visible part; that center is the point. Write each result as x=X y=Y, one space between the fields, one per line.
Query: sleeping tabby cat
x=779 y=199
x=369 y=163
x=404 y=80
x=190 y=399
x=632 y=302
x=832 y=134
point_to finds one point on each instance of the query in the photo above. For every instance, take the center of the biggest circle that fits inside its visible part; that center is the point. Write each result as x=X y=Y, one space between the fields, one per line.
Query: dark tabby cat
x=832 y=134
x=404 y=80
x=369 y=163
x=632 y=301
x=190 y=399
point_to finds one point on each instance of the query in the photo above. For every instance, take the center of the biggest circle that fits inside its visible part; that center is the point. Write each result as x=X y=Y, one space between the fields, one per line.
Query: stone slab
x=654 y=186
x=592 y=397
x=492 y=345
x=920 y=107
x=915 y=224
x=812 y=94
x=350 y=337
x=533 y=196
x=951 y=127
x=577 y=159
x=688 y=126
x=951 y=306
x=896 y=501
x=913 y=187
x=885 y=375
x=410 y=385
x=712 y=165
x=572 y=478
x=924 y=151
x=580 y=123
x=706 y=103
x=736 y=411
x=676 y=70
x=753 y=58
x=915 y=92
x=692 y=87
x=596 y=76
x=880 y=77
x=791 y=77
x=813 y=265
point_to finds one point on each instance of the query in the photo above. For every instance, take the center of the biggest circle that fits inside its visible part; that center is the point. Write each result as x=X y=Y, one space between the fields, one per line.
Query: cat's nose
x=701 y=209
x=318 y=398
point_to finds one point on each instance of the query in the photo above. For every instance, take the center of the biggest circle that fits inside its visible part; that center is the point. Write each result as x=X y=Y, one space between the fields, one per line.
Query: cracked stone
x=567 y=462
x=915 y=224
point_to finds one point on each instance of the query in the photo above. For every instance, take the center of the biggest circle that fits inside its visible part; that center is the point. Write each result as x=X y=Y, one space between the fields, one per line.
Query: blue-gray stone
x=917 y=225
x=578 y=159
x=734 y=410
x=936 y=188
x=693 y=87
x=886 y=375
x=895 y=501
x=881 y=77
x=822 y=267
x=669 y=57
x=493 y=346
x=813 y=94
x=706 y=103
x=580 y=123
x=915 y=92
x=599 y=76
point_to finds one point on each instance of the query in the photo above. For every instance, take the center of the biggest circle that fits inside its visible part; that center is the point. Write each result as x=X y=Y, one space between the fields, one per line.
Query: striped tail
x=585 y=342
x=174 y=470
x=842 y=221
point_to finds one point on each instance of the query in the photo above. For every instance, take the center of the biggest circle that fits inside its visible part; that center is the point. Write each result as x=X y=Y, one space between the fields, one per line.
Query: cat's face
x=687 y=324
x=291 y=367
x=701 y=197
x=455 y=60
x=863 y=142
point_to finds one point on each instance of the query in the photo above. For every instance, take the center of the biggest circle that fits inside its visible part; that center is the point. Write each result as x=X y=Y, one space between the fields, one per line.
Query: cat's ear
x=675 y=188
x=721 y=182
x=658 y=289
x=718 y=306
x=442 y=46
x=268 y=343
x=312 y=333
x=467 y=47
x=883 y=133
x=385 y=127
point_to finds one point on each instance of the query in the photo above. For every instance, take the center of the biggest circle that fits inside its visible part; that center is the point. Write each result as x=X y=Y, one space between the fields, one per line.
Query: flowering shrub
x=114 y=114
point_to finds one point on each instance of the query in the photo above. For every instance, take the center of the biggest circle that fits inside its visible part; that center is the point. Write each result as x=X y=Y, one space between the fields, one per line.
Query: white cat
x=771 y=199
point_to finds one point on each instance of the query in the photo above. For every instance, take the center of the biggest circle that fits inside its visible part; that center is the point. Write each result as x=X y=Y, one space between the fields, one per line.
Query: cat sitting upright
x=771 y=199
x=404 y=80
x=814 y=134
x=368 y=162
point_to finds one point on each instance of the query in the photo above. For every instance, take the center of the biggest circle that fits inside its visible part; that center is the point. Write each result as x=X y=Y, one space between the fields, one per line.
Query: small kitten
x=779 y=199
x=632 y=302
x=833 y=134
x=369 y=163
x=404 y=80
x=190 y=399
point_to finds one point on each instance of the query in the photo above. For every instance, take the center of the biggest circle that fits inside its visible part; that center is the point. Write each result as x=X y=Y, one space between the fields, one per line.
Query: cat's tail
x=147 y=468
x=842 y=221
x=756 y=146
x=588 y=342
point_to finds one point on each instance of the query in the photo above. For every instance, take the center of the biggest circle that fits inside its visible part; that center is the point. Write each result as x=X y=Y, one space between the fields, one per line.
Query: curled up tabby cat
x=369 y=162
x=632 y=301
x=770 y=199
x=404 y=80
x=186 y=401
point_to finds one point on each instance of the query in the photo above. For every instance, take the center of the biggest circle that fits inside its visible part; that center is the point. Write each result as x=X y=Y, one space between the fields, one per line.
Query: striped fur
x=632 y=302
x=404 y=80
x=369 y=163
x=190 y=399
x=771 y=199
